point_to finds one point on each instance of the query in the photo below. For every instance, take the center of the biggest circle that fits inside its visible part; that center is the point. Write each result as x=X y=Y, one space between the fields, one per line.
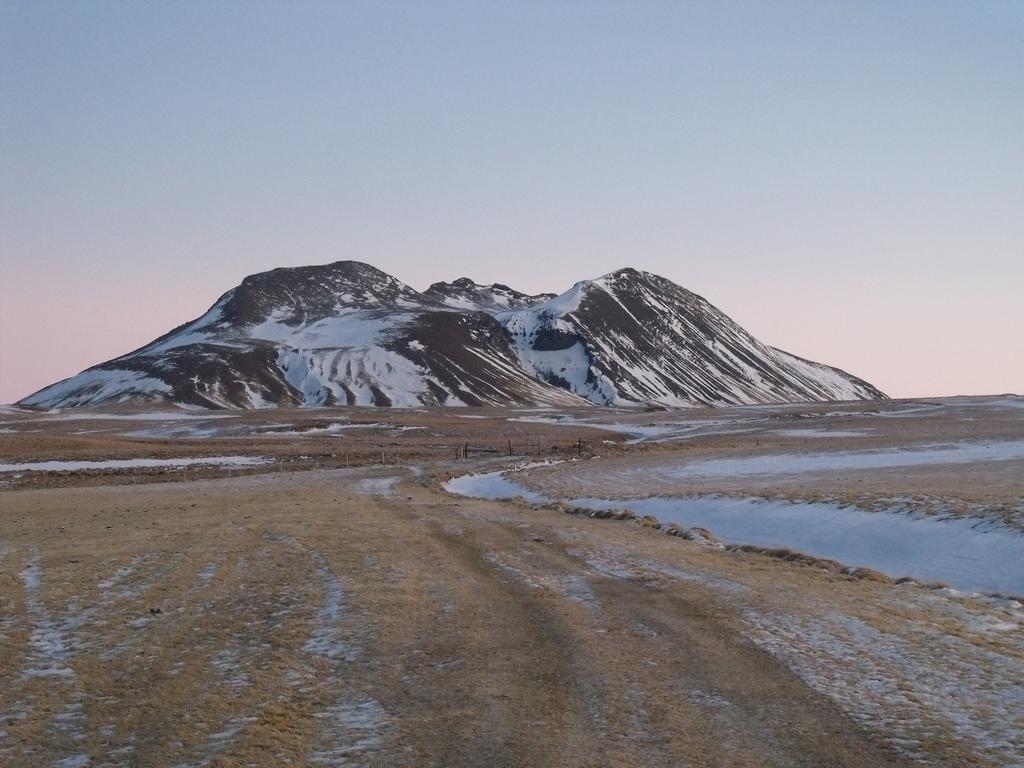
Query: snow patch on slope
x=834 y=381
x=99 y=385
x=569 y=367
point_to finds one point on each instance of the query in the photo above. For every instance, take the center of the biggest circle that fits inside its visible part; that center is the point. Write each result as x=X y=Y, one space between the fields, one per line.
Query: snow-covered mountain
x=347 y=333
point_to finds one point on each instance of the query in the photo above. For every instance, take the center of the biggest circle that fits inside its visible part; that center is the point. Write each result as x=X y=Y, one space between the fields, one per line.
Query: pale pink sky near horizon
x=845 y=180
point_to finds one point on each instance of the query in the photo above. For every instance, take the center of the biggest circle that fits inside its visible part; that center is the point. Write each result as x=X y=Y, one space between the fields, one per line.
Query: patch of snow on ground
x=67 y=466
x=887 y=682
x=786 y=463
x=1005 y=402
x=654 y=431
x=377 y=486
x=206 y=575
x=541 y=419
x=326 y=640
x=981 y=556
x=351 y=729
x=143 y=416
x=49 y=650
x=227 y=662
x=178 y=431
x=331 y=429
x=491 y=485
x=817 y=433
x=73 y=761
x=118 y=577
x=974 y=555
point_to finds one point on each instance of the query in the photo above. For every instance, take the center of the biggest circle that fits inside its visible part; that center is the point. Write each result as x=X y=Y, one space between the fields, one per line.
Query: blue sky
x=844 y=179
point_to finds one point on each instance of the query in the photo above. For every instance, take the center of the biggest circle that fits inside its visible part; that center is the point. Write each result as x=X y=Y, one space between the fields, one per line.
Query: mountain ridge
x=349 y=333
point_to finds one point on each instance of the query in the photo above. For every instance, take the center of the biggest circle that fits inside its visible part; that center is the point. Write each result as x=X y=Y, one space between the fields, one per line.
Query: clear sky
x=845 y=179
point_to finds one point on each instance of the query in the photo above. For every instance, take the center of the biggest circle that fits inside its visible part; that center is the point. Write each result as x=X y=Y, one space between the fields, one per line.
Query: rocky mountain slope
x=348 y=333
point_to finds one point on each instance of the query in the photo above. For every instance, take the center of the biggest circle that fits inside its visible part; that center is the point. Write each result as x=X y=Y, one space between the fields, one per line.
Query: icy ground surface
x=63 y=466
x=975 y=555
x=377 y=486
x=950 y=453
x=59 y=415
x=970 y=554
x=931 y=666
x=492 y=485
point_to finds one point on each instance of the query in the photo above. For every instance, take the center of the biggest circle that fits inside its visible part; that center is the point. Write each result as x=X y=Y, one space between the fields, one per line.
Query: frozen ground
x=120 y=464
x=71 y=415
x=970 y=554
x=975 y=555
x=953 y=453
x=334 y=607
x=492 y=485
x=933 y=665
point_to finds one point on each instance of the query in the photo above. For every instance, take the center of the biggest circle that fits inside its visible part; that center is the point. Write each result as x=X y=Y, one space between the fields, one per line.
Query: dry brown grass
x=468 y=633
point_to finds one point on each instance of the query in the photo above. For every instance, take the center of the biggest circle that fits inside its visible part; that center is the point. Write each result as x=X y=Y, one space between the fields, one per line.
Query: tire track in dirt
x=724 y=699
x=677 y=680
x=526 y=652
x=468 y=665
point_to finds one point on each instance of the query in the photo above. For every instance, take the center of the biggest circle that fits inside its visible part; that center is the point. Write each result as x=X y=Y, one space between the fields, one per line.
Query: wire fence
x=464 y=451
x=534 y=447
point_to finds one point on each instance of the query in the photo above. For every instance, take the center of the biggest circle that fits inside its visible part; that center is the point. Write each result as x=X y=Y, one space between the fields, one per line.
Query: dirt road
x=349 y=618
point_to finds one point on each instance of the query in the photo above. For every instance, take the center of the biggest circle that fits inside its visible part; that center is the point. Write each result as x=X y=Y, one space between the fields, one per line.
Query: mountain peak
x=624 y=272
x=464 y=293
x=303 y=294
